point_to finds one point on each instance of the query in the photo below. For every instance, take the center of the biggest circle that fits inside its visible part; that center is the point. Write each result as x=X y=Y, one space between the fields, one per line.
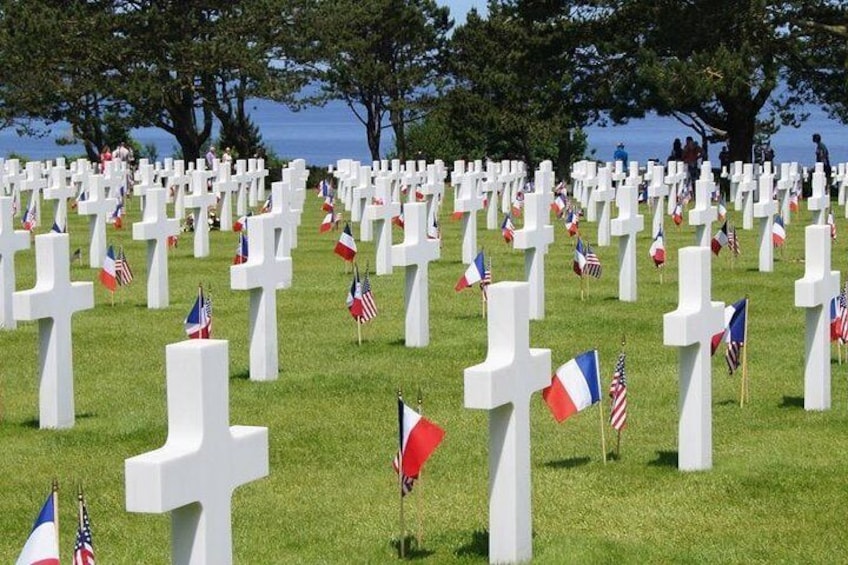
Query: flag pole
x=601 y=414
x=745 y=392
x=56 y=508
x=400 y=474
x=618 y=432
x=80 y=502
x=419 y=503
x=582 y=286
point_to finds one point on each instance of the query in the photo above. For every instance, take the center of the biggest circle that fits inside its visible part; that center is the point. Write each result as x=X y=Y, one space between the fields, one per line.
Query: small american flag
x=731 y=355
x=406 y=482
x=733 y=241
x=369 y=306
x=83 y=548
x=593 y=264
x=618 y=393
x=123 y=272
x=486 y=280
x=843 y=318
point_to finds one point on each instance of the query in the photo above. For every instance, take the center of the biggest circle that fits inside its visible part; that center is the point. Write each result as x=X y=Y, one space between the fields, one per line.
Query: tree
x=716 y=63
x=381 y=57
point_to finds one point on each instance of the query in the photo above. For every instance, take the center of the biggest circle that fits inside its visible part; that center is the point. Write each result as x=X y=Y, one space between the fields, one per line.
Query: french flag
x=327 y=223
x=42 y=546
x=559 y=204
x=572 y=223
x=346 y=246
x=657 y=249
x=240 y=224
x=734 y=325
x=473 y=274
x=508 y=229
x=719 y=239
x=778 y=232
x=677 y=214
x=108 y=276
x=419 y=437
x=574 y=386
x=241 y=251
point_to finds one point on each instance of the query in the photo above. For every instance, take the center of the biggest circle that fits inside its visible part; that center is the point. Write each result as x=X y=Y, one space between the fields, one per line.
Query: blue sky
x=459 y=8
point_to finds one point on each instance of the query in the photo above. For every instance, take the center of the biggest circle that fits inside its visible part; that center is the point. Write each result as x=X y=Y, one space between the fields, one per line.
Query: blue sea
x=323 y=135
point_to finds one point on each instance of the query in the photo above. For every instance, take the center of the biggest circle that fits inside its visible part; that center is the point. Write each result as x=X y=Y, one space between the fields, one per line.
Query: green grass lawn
x=777 y=492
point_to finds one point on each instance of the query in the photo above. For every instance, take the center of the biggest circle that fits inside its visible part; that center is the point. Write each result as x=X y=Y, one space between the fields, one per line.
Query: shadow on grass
x=411 y=549
x=727 y=402
x=398 y=342
x=664 y=459
x=244 y=375
x=477 y=547
x=792 y=402
x=33 y=422
x=568 y=463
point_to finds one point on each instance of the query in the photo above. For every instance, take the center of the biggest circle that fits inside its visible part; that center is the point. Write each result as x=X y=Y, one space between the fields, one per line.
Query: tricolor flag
x=433 y=231
x=719 y=239
x=677 y=214
x=574 y=386
x=327 y=223
x=240 y=224
x=733 y=241
x=56 y=228
x=42 y=545
x=328 y=205
x=559 y=204
x=572 y=222
x=793 y=202
x=354 y=297
x=30 y=219
x=123 y=272
x=198 y=323
x=722 y=210
x=832 y=225
x=108 y=274
x=241 y=250
x=618 y=394
x=173 y=240
x=83 y=546
x=346 y=246
x=507 y=229
x=487 y=280
x=398 y=220
x=117 y=217
x=657 y=250
x=735 y=317
x=839 y=317
x=473 y=274
x=778 y=231
x=579 y=258
x=266 y=207
x=369 y=305
x=418 y=438
x=517 y=204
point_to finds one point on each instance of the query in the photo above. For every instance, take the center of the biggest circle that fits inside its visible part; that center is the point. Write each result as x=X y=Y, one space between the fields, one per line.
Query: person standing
x=105 y=156
x=620 y=154
x=676 y=150
x=210 y=157
x=691 y=154
x=822 y=155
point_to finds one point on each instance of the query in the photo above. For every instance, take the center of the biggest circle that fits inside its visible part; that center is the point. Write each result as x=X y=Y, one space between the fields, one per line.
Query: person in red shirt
x=105 y=155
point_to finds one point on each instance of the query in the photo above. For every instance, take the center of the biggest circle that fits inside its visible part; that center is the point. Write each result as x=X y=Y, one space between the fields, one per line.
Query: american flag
x=486 y=280
x=123 y=272
x=842 y=308
x=618 y=393
x=731 y=355
x=369 y=307
x=406 y=482
x=733 y=241
x=593 y=264
x=83 y=548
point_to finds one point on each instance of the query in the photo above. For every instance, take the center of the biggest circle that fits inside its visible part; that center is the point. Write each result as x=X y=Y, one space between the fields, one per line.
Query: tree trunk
x=396 y=117
x=373 y=132
x=740 y=131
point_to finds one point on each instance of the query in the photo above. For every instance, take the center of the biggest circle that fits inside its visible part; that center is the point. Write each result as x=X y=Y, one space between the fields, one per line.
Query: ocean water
x=323 y=135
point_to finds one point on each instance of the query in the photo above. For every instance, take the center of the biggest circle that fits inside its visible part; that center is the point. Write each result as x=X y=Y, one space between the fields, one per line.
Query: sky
x=459 y=8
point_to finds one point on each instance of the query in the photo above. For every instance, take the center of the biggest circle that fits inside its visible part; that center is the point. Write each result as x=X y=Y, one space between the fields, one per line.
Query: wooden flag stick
x=419 y=503
x=744 y=395
x=402 y=544
x=582 y=287
x=601 y=416
x=358 y=331
x=80 y=503
x=56 y=508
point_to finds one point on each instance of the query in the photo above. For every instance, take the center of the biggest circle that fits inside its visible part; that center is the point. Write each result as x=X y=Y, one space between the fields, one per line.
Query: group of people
x=122 y=153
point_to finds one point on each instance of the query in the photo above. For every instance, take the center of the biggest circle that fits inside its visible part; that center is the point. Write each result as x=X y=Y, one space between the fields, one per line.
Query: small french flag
x=574 y=386
x=346 y=246
x=473 y=274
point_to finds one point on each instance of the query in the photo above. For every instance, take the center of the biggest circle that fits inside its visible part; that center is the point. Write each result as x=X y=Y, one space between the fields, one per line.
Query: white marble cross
x=468 y=203
x=535 y=237
x=675 y=175
x=819 y=201
x=591 y=185
x=704 y=214
x=363 y=192
x=61 y=191
x=284 y=221
x=814 y=293
x=52 y=301
x=657 y=191
x=604 y=194
x=180 y=180
x=415 y=253
x=262 y=274
x=381 y=213
x=490 y=192
x=503 y=385
x=745 y=192
x=33 y=182
x=146 y=175
x=735 y=179
x=784 y=189
x=98 y=208
x=11 y=241
x=200 y=200
x=225 y=186
x=204 y=459
x=156 y=227
x=628 y=223
x=244 y=180
x=578 y=175
x=261 y=174
x=765 y=209
x=691 y=328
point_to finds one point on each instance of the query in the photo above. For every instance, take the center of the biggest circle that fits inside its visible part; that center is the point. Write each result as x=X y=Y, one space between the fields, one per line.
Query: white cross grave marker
x=604 y=194
x=262 y=274
x=674 y=178
x=628 y=223
x=503 y=385
x=156 y=227
x=204 y=459
x=363 y=192
x=11 y=241
x=415 y=253
x=244 y=180
x=490 y=192
x=535 y=237
x=745 y=192
x=61 y=191
x=200 y=200
x=814 y=293
x=735 y=179
x=468 y=203
x=657 y=191
x=146 y=176
x=381 y=213
x=691 y=328
x=52 y=301
x=784 y=186
x=590 y=186
x=179 y=180
x=98 y=208
x=819 y=201
x=704 y=214
x=225 y=186
x=765 y=209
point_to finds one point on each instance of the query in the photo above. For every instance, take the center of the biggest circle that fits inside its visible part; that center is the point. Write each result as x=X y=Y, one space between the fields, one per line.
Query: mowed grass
x=777 y=491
